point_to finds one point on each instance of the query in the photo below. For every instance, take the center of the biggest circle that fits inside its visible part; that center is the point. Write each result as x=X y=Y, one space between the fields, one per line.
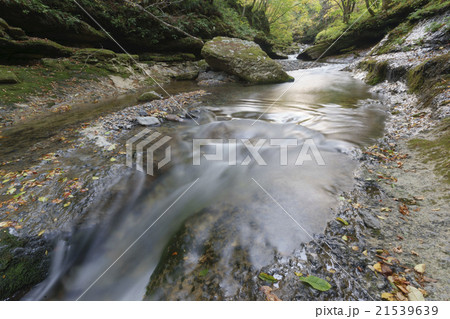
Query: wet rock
x=244 y=59
x=8 y=77
x=173 y=118
x=147 y=120
x=149 y=96
x=369 y=219
x=142 y=113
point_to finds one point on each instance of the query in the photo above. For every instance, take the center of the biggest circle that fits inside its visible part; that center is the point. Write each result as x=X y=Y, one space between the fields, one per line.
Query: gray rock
x=173 y=118
x=369 y=219
x=149 y=96
x=142 y=113
x=244 y=59
x=147 y=120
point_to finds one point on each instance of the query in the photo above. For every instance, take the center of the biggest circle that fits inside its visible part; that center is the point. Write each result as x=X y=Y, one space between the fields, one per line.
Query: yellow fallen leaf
x=387 y=296
x=95 y=178
x=66 y=204
x=113 y=159
x=377 y=267
x=41 y=232
x=365 y=252
x=345 y=237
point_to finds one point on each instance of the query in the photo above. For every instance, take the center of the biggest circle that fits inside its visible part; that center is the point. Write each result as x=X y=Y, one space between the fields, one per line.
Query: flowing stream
x=219 y=220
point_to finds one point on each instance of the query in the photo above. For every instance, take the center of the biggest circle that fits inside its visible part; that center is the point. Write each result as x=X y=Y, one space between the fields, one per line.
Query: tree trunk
x=369 y=8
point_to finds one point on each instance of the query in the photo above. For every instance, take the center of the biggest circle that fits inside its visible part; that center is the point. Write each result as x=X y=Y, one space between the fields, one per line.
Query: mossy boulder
x=8 y=77
x=24 y=262
x=149 y=96
x=245 y=59
x=12 y=51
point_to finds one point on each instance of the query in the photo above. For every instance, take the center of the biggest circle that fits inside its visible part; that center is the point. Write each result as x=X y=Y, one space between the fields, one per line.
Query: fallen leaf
x=345 y=237
x=316 y=283
x=113 y=159
x=203 y=272
x=400 y=296
x=414 y=253
x=41 y=232
x=268 y=293
x=339 y=219
x=355 y=248
x=67 y=204
x=266 y=277
x=95 y=178
x=42 y=199
x=387 y=296
x=420 y=268
x=403 y=209
x=365 y=253
x=397 y=250
x=385 y=209
x=414 y=294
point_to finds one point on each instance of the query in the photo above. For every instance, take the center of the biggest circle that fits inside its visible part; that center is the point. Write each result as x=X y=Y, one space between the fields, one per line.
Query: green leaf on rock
x=266 y=277
x=316 y=283
x=343 y=221
x=203 y=272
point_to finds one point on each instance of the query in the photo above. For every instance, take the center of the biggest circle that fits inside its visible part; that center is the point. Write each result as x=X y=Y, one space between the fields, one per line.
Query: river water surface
x=197 y=231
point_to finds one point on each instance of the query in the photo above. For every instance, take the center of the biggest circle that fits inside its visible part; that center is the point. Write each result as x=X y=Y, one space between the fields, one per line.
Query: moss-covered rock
x=158 y=57
x=377 y=71
x=149 y=96
x=244 y=59
x=24 y=262
x=12 y=51
x=430 y=71
x=8 y=77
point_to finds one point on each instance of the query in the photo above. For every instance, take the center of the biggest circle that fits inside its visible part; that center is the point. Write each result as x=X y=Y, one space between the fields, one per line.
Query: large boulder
x=244 y=59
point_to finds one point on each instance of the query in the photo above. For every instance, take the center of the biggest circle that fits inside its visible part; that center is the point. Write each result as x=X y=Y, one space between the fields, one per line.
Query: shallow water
x=223 y=214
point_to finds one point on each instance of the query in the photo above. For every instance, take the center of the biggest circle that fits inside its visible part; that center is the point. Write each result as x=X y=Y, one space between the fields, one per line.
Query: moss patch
x=51 y=74
x=23 y=263
x=377 y=71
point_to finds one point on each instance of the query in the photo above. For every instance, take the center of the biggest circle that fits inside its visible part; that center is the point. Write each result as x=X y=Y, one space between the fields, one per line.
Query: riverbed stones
x=244 y=59
x=149 y=96
x=147 y=120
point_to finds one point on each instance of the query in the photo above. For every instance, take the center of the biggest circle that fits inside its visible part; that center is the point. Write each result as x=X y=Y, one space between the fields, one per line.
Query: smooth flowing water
x=222 y=219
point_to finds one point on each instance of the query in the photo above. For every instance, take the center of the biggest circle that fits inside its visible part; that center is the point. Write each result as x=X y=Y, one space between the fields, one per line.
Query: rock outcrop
x=245 y=59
